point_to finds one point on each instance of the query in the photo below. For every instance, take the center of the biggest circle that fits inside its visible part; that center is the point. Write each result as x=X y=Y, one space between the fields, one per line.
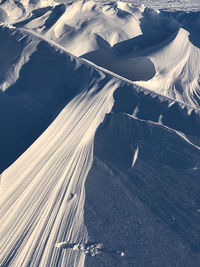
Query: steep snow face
x=149 y=61
x=16 y=52
x=151 y=207
x=137 y=43
x=157 y=49
x=36 y=84
x=177 y=67
x=42 y=193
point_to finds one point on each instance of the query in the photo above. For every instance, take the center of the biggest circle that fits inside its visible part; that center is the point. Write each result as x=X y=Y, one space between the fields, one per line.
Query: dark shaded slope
x=46 y=83
x=151 y=210
x=142 y=193
x=147 y=105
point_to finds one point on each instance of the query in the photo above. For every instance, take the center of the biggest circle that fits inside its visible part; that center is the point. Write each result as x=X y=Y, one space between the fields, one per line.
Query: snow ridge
x=150 y=57
x=42 y=193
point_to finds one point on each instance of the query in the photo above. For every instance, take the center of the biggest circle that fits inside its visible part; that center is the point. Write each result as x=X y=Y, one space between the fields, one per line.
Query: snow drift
x=107 y=92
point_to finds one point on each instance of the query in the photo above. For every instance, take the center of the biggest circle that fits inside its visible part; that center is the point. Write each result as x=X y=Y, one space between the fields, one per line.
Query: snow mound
x=177 y=70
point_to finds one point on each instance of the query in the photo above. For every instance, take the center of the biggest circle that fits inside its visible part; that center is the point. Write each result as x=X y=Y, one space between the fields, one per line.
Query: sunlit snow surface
x=42 y=203
x=185 y=5
x=107 y=91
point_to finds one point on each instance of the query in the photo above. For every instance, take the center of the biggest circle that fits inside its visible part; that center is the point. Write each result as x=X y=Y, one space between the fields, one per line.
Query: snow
x=54 y=167
x=177 y=70
x=99 y=133
x=135 y=156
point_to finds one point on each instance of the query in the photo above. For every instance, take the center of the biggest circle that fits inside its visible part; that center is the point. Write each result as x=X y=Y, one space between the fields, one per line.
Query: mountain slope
x=47 y=192
x=148 y=202
x=107 y=92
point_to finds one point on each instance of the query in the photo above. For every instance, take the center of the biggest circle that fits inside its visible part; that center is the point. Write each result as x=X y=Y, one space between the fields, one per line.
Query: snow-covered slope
x=149 y=210
x=107 y=92
x=44 y=188
x=158 y=48
x=177 y=70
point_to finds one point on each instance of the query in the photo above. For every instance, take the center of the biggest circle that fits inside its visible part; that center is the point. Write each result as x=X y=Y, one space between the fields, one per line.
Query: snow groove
x=42 y=194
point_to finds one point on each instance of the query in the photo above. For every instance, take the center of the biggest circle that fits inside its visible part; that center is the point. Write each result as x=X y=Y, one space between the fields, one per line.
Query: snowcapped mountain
x=100 y=123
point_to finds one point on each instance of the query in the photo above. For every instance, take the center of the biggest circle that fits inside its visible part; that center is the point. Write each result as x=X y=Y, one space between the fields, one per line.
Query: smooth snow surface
x=107 y=91
x=177 y=70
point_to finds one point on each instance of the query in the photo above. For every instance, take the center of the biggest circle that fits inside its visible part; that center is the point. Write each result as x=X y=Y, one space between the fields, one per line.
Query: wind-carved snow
x=13 y=74
x=177 y=70
x=135 y=156
x=42 y=194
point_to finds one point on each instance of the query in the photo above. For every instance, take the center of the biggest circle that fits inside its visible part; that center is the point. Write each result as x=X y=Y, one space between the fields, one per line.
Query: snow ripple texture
x=42 y=193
